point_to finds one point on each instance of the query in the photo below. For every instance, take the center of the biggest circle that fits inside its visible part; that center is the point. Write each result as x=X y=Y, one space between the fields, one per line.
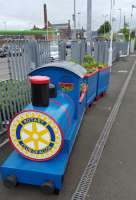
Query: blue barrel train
x=44 y=133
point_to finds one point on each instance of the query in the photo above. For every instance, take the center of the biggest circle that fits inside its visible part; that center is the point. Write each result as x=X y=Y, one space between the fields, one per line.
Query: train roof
x=70 y=66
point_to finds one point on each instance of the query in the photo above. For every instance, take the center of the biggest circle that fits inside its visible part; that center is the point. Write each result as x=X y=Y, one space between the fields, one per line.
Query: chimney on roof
x=45 y=17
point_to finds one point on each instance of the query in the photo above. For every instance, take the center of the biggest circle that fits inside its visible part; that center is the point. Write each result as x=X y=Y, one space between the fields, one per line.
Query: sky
x=18 y=14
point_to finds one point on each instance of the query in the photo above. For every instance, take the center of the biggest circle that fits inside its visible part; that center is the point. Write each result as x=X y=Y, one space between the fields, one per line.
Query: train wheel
x=10 y=181
x=56 y=191
x=47 y=187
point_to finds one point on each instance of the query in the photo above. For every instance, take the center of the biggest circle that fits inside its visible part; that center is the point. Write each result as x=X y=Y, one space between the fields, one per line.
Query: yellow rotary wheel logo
x=35 y=135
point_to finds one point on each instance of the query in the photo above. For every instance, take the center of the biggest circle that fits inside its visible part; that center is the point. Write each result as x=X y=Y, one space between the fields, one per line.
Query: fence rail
x=26 y=55
x=14 y=95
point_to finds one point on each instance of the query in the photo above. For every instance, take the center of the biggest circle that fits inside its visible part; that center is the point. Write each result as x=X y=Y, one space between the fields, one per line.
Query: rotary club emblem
x=35 y=135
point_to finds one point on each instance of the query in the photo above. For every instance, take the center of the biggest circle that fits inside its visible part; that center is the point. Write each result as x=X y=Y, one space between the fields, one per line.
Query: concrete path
x=115 y=176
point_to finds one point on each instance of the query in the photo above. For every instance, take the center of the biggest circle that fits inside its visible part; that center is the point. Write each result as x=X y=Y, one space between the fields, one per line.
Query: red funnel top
x=39 y=80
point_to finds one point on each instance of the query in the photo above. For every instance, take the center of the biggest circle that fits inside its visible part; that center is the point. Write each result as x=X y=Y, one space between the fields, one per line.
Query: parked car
x=7 y=50
x=68 y=44
x=54 y=55
x=2 y=53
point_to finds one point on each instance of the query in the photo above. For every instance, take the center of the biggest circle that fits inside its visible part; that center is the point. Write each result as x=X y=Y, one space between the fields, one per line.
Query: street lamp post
x=131 y=19
x=89 y=25
x=111 y=35
x=120 y=21
x=74 y=20
x=78 y=25
x=79 y=20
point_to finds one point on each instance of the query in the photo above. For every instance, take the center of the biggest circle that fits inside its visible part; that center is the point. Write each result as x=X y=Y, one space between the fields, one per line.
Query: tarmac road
x=4 y=71
x=92 y=125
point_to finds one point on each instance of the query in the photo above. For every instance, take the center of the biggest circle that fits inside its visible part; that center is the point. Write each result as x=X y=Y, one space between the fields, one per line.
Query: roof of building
x=61 y=26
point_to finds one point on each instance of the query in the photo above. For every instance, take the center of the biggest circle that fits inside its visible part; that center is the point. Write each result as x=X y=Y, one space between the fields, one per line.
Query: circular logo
x=35 y=135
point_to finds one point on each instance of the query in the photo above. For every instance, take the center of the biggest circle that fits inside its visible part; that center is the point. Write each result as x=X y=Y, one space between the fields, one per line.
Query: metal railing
x=26 y=55
x=22 y=57
x=101 y=50
x=14 y=96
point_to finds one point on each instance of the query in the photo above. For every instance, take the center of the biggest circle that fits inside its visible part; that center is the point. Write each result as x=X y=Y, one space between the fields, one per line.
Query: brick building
x=64 y=30
x=55 y=31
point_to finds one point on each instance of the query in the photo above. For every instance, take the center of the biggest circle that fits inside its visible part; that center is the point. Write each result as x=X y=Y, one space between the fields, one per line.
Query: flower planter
x=103 y=80
x=91 y=80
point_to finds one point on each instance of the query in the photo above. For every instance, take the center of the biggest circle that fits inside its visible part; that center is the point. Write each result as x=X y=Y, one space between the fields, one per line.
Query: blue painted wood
x=92 y=87
x=35 y=173
x=103 y=81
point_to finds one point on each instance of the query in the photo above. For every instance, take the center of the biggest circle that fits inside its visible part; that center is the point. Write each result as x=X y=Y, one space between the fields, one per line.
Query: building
x=54 y=31
x=64 y=30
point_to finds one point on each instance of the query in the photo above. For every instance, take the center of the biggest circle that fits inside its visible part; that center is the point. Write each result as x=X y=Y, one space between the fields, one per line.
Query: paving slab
x=92 y=125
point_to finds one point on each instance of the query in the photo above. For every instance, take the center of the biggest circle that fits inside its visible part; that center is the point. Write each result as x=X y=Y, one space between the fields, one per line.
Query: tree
x=105 y=28
x=125 y=31
x=133 y=34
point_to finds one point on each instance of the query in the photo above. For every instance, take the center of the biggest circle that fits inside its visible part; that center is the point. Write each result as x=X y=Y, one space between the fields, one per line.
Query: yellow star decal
x=36 y=136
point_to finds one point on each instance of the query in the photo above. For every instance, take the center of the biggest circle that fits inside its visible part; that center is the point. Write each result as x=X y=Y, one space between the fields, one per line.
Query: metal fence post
x=75 y=51
x=82 y=50
x=62 y=50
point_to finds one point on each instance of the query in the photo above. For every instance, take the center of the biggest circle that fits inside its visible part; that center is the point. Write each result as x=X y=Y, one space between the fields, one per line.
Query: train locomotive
x=44 y=133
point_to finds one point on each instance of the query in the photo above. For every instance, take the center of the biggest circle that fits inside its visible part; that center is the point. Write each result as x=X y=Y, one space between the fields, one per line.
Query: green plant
x=89 y=59
x=101 y=65
x=89 y=63
x=91 y=70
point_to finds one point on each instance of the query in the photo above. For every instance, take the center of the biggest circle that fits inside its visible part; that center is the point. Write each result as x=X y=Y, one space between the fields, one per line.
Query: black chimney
x=40 y=90
x=45 y=17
